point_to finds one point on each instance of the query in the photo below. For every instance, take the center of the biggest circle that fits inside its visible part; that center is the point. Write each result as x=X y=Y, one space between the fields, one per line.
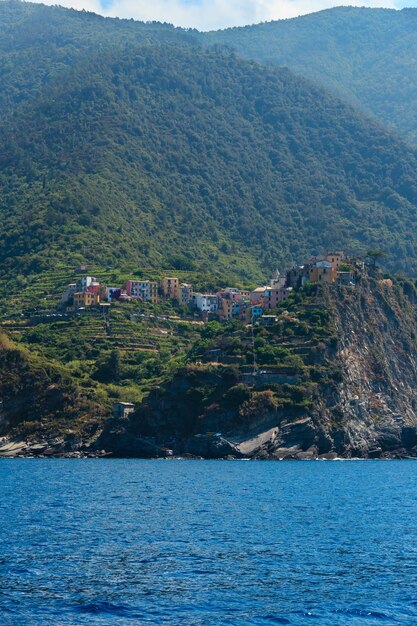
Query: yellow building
x=323 y=273
x=169 y=285
x=84 y=298
x=153 y=291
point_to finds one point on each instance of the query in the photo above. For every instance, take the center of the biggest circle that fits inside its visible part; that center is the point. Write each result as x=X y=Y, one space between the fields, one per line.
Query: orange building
x=323 y=273
x=85 y=298
x=335 y=258
x=170 y=285
x=226 y=309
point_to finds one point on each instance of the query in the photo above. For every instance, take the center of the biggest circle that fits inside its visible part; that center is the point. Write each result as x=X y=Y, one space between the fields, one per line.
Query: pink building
x=271 y=298
x=256 y=296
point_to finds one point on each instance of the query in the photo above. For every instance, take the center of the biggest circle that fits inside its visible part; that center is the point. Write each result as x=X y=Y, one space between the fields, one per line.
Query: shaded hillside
x=336 y=376
x=366 y=56
x=38 y=397
x=168 y=156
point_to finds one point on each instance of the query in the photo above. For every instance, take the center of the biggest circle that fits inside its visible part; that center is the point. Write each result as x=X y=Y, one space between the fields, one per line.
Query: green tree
x=375 y=255
x=108 y=369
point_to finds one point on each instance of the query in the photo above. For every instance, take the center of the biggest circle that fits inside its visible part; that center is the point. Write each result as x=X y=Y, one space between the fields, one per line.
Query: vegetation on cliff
x=331 y=371
x=38 y=398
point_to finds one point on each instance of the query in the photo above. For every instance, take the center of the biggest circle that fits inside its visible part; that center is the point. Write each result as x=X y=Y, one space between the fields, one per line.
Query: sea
x=124 y=542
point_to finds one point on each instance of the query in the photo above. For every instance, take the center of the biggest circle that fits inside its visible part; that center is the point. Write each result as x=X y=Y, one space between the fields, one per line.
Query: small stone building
x=123 y=409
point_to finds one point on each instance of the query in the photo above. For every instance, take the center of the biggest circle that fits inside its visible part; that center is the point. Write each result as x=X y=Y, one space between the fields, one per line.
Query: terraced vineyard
x=42 y=293
x=144 y=345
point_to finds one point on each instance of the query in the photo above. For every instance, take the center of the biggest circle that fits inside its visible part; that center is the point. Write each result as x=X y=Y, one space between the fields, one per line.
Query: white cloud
x=211 y=14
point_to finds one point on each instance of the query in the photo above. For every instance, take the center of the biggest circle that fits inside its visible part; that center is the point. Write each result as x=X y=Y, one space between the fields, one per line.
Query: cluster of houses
x=230 y=303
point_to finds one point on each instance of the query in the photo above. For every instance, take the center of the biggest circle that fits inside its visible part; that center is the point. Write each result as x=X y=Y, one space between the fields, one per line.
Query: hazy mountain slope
x=37 y=43
x=365 y=55
x=148 y=152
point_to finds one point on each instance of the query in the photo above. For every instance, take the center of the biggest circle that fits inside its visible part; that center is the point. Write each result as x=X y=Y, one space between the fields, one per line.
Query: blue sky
x=213 y=14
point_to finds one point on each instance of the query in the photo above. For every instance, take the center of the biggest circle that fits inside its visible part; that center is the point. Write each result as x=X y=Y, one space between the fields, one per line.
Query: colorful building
x=94 y=287
x=271 y=298
x=146 y=290
x=85 y=281
x=226 y=309
x=231 y=293
x=169 y=286
x=256 y=296
x=322 y=272
x=335 y=258
x=85 y=298
x=253 y=313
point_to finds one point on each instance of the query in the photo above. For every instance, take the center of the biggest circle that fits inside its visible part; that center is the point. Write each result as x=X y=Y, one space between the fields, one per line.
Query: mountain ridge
x=363 y=55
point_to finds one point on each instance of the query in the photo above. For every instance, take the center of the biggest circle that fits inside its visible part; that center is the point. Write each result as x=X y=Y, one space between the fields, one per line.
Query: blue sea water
x=110 y=542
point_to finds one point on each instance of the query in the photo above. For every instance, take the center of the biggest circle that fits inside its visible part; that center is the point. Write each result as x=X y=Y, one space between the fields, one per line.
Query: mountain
x=336 y=377
x=129 y=143
x=366 y=56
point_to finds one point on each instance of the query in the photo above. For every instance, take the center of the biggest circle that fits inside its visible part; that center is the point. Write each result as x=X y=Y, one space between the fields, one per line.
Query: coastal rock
x=212 y=447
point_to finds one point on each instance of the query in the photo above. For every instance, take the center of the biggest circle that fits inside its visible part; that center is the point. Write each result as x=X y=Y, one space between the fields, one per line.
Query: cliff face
x=356 y=394
x=373 y=411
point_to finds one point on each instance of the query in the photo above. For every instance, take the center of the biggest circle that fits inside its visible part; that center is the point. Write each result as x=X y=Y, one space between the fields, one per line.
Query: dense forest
x=366 y=56
x=125 y=141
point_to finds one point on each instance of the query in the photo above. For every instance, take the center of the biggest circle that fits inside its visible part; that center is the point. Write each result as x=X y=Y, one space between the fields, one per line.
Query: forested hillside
x=167 y=154
x=366 y=56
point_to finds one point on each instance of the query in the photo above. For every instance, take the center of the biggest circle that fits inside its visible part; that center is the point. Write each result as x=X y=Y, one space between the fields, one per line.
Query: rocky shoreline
x=24 y=449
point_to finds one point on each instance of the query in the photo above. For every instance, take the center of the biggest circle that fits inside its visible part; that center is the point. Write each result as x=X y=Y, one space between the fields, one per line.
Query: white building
x=86 y=281
x=206 y=301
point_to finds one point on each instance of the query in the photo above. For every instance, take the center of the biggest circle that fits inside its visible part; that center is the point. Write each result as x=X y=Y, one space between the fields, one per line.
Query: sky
x=212 y=14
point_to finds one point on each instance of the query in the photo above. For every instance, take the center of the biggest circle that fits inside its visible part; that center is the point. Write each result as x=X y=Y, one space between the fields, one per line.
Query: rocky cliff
x=373 y=410
x=354 y=394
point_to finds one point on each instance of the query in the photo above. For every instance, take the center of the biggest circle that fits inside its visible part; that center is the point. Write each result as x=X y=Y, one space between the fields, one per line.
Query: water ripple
x=100 y=542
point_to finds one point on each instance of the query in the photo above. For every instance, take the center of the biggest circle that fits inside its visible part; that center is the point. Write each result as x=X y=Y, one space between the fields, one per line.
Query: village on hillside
x=227 y=304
